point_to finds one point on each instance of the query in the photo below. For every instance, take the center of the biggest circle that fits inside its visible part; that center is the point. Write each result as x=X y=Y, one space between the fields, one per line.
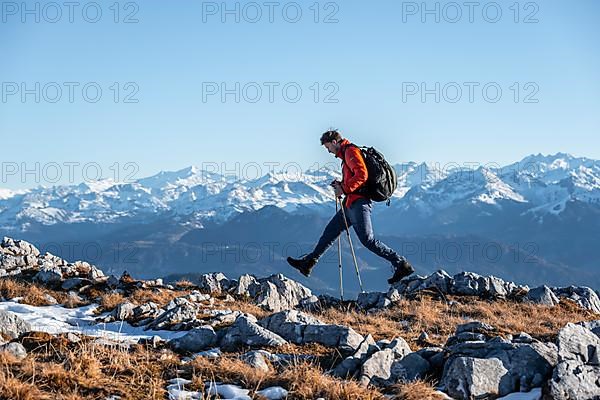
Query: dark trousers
x=359 y=217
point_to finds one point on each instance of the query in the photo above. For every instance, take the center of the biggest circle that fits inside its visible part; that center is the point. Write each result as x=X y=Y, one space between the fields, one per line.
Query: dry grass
x=109 y=301
x=58 y=369
x=303 y=380
x=418 y=390
x=158 y=296
x=244 y=306
x=185 y=284
x=439 y=319
x=31 y=293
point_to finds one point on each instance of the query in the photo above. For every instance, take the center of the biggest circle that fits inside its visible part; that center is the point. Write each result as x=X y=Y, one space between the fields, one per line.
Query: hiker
x=358 y=209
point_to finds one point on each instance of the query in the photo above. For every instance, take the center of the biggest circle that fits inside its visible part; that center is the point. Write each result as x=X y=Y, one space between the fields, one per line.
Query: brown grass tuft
x=417 y=390
x=85 y=370
x=31 y=293
x=158 y=296
x=109 y=301
x=185 y=284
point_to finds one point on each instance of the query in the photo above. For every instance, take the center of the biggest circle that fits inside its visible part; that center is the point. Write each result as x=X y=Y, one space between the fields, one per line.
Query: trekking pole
x=352 y=249
x=340 y=256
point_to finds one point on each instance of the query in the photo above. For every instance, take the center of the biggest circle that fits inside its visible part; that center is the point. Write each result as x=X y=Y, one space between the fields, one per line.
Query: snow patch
x=535 y=394
x=57 y=319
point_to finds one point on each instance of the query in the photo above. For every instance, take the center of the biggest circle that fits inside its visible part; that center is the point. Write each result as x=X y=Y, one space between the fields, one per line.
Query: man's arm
x=356 y=163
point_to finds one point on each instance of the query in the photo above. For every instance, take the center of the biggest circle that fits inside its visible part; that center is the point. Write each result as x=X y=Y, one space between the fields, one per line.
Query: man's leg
x=360 y=214
x=332 y=231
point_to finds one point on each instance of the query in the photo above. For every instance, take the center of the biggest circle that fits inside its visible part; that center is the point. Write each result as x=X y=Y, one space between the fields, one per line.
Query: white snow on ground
x=273 y=393
x=58 y=319
x=177 y=391
x=535 y=394
x=228 y=392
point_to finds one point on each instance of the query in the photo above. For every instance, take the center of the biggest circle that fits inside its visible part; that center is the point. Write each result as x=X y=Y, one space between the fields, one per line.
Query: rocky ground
x=68 y=332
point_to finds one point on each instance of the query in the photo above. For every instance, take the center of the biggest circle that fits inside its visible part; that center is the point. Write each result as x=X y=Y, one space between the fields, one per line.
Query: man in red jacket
x=357 y=207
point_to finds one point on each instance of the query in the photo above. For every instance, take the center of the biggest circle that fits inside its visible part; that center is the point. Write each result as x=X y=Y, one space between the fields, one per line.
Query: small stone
x=257 y=359
x=12 y=325
x=49 y=299
x=16 y=349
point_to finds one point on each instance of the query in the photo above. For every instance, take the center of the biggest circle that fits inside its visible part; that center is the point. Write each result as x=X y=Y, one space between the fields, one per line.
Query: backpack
x=382 y=180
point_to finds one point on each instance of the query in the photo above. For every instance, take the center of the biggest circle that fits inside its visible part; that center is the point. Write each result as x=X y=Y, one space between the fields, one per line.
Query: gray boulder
x=245 y=331
x=146 y=311
x=475 y=327
x=214 y=283
x=579 y=344
x=177 y=318
x=435 y=356
x=16 y=349
x=399 y=347
x=577 y=376
x=194 y=297
x=301 y=328
x=341 y=337
x=245 y=286
x=18 y=247
x=523 y=337
x=464 y=283
x=49 y=273
x=369 y=300
x=542 y=295
x=527 y=365
x=410 y=368
x=73 y=283
x=473 y=378
x=289 y=324
x=474 y=331
x=123 y=312
x=377 y=370
x=583 y=296
x=351 y=364
x=471 y=284
x=197 y=339
x=465 y=337
x=593 y=326
x=573 y=380
x=275 y=293
x=257 y=359
x=438 y=280
x=12 y=325
x=530 y=365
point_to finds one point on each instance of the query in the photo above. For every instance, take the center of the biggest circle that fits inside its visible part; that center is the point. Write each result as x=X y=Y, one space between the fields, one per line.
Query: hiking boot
x=401 y=270
x=303 y=264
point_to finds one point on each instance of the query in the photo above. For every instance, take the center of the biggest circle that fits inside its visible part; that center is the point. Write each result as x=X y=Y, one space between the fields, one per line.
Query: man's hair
x=330 y=136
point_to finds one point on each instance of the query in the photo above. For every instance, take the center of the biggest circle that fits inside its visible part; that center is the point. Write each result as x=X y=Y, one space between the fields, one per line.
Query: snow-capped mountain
x=540 y=214
x=463 y=186
x=5 y=194
x=549 y=182
x=541 y=184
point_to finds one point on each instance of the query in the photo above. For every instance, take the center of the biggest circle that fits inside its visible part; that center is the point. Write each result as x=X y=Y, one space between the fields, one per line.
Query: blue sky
x=366 y=61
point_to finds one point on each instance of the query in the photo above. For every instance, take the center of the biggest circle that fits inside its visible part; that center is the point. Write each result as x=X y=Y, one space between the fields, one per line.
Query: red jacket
x=354 y=171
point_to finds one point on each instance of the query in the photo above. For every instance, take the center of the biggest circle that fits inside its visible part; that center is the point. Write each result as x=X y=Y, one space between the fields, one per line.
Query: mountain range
x=535 y=220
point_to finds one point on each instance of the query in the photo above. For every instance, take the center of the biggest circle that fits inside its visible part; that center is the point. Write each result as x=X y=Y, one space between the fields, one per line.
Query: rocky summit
x=70 y=331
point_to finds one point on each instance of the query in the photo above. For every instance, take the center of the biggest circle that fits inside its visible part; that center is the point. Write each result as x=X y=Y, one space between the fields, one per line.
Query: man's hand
x=337 y=187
